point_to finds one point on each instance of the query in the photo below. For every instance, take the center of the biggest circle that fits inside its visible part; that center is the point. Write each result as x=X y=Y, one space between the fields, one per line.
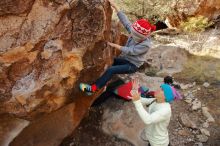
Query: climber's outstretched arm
x=122 y=17
x=114 y=5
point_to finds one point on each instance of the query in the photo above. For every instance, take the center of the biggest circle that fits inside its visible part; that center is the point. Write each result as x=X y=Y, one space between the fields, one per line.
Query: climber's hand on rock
x=115 y=45
x=113 y=5
x=112 y=44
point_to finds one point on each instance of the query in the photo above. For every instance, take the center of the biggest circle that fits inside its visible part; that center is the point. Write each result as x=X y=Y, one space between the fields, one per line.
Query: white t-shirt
x=157 y=119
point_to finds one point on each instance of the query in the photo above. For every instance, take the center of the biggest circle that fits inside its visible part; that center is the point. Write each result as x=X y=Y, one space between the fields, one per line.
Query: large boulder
x=184 y=9
x=167 y=59
x=52 y=128
x=122 y=121
x=46 y=49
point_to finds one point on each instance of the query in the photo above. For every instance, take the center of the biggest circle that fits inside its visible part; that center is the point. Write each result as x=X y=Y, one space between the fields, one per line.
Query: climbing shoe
x=86 y=88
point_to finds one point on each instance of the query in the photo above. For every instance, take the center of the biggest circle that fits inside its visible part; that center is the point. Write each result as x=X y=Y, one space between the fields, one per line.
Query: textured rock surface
x=45 y=131
x=123 y=122
x=10 y=127
x=167 y=58
x=52 y=128
x=8 y=7
x=196 y=105
x=207 y=8
x=202 y=138
x=199 y=44
x=185 y=121
x=205 y=112
x=46 y=47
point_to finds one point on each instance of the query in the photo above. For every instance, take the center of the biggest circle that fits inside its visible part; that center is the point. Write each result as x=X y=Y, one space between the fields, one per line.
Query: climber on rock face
x=157 y=117
x=133 y=53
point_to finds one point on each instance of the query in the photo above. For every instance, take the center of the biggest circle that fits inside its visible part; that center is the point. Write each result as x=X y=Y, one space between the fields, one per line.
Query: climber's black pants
x=120 y=66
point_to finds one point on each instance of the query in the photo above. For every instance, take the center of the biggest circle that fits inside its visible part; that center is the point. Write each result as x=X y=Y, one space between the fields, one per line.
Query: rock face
x=202 y=44
x=123 y=122
x=166 y=58
x=46 y=47
x=183 y=9
x=10 y=7
x=44 y=132
x=10 y=127
x=209 y=8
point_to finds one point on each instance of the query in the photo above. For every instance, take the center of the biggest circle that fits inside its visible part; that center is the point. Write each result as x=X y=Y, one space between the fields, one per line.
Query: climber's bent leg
x=120 y=61
x=117 y=69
